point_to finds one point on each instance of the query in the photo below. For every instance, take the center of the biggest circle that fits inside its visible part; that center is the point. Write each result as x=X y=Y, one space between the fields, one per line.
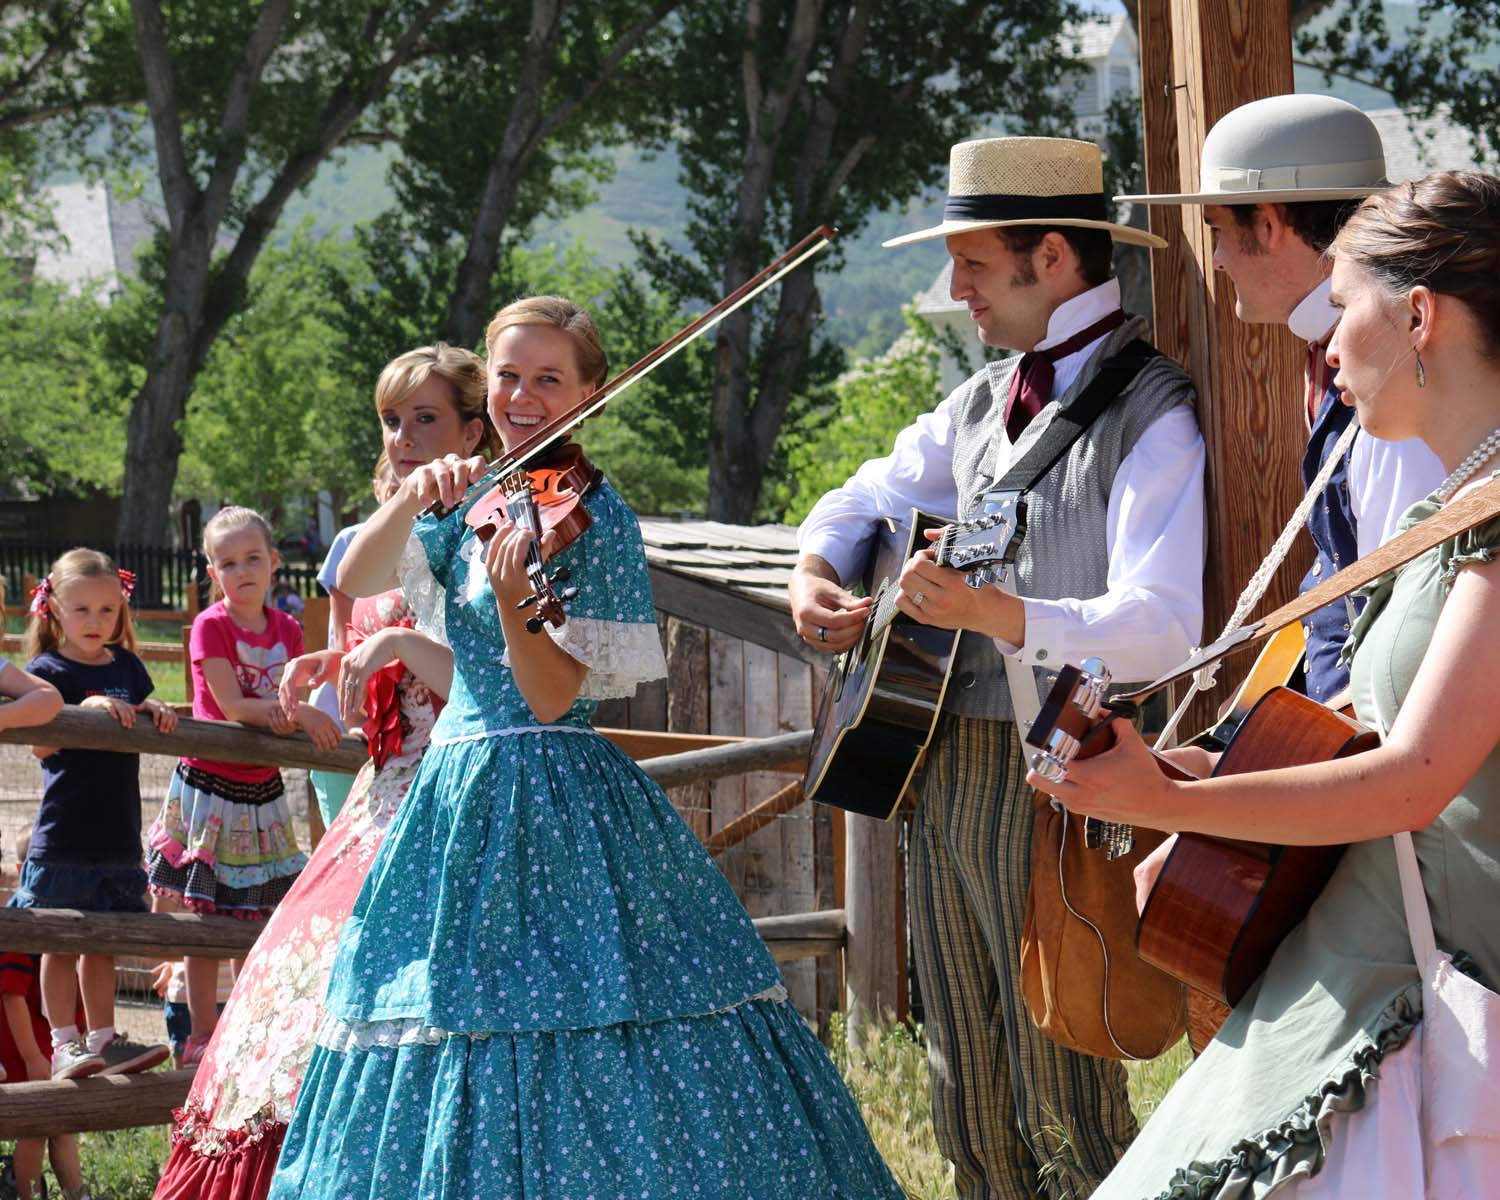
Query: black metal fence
x=164 y=574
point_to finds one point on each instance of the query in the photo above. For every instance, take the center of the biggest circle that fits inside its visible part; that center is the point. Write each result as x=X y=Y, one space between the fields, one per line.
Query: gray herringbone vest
x=1065 y=552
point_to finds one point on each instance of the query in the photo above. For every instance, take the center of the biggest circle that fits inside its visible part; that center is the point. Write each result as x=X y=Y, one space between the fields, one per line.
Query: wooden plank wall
x=721 y=684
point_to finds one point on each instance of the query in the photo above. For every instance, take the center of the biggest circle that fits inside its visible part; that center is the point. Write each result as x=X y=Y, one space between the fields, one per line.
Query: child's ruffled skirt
x=223 y=845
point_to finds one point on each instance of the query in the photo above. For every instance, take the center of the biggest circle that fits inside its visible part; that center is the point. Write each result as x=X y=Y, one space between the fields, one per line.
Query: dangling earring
x=1421 y=370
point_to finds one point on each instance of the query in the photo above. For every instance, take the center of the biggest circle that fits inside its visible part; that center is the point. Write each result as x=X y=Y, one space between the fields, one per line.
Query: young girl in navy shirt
x=85 y=850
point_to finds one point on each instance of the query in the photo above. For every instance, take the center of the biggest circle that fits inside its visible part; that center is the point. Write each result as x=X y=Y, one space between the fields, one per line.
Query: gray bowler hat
x=1286 y=150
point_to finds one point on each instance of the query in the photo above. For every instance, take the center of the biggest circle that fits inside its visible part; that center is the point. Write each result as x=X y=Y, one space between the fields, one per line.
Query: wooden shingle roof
x=732 y=578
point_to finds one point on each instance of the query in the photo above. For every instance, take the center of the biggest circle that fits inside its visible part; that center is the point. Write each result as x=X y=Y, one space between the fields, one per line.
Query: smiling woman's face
x=533 y=377
x=424 y=426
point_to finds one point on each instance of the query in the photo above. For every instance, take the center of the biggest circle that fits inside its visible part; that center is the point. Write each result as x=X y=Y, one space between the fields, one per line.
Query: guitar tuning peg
x=526 y=603
x=534 y=624
x=561 y=575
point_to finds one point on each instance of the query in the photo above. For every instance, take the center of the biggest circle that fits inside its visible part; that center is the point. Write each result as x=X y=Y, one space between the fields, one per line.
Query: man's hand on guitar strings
x=820 y=604
x=941 y=597
x=1124 y=784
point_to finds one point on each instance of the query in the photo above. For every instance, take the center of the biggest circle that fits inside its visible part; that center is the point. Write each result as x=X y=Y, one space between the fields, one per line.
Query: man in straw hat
x=1111 y=565
x=1278 y=179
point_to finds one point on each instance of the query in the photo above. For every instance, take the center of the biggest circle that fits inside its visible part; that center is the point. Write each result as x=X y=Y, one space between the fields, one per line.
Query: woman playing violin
x=1312 y=1085
x=546 y=988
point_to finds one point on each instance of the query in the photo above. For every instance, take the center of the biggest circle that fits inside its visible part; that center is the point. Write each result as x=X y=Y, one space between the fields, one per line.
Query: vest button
x=1041 y=655
x=966 y=679
x=1317 y=568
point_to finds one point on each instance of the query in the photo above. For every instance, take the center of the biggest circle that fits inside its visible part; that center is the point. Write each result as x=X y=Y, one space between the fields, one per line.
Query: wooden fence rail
x=126 y=1101
x=228 y=741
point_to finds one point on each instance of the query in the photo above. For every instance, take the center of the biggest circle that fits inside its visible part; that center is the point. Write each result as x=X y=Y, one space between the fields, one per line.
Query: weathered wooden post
x=872 y=900
x=1199 y=60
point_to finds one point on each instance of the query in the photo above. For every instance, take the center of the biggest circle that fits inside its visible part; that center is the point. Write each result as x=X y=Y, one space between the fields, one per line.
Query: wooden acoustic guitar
x=882 y=697
x=1219 y=907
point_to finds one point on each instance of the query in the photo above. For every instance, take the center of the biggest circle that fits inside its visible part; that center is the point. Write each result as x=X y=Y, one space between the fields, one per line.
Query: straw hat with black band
x=996 y=182
x=1286 y=150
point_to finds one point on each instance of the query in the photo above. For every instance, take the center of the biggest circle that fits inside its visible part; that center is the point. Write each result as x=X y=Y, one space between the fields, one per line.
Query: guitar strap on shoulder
x=1468 y=510
x=1115 y=375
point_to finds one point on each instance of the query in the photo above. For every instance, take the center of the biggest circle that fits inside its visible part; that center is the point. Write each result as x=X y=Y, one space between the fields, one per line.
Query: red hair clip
x=127 y=582
x=39 y=595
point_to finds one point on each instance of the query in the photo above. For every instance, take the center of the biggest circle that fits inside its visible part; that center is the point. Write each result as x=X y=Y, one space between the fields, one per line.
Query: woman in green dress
x=1311 y=1087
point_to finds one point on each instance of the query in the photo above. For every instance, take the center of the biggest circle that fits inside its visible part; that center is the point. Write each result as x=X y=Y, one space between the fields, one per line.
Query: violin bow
x=563 y=424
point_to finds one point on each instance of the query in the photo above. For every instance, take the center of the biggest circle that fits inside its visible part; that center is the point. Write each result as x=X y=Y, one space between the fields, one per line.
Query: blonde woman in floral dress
x=228 y=1135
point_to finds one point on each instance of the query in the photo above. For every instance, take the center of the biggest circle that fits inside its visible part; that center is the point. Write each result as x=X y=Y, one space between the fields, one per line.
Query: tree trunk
x=153 y=437
x=470 y=307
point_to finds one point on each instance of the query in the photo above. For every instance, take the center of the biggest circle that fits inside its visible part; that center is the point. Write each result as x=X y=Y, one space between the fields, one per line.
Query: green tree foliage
x=277 y=411
x=244 y=102
x=842 y=110
x=67 y=369
x=873 y=401
x=502 y=126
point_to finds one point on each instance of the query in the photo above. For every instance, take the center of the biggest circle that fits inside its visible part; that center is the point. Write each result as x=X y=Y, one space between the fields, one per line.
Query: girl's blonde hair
x=44 y=632
x=228 y=520
x=560 y=313
x=462 y=370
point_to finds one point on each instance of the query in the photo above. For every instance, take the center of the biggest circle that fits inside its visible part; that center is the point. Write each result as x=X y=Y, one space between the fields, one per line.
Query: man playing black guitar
x=1111 y=565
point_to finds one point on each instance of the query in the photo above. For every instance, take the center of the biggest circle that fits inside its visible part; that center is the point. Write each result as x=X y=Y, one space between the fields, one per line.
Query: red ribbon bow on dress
x=382 y=703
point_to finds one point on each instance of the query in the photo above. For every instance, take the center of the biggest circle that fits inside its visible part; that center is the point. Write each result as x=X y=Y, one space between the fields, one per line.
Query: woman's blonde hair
x=1441 y=231
x=44 y=632
x=228 y=520
x=560 y=313
x=461 y=369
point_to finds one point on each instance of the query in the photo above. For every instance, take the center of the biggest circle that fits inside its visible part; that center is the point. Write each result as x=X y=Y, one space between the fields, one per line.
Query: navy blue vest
x=1332 y=527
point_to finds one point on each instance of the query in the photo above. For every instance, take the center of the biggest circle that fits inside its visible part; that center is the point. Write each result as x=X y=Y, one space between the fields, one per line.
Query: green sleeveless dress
x=1342 y=992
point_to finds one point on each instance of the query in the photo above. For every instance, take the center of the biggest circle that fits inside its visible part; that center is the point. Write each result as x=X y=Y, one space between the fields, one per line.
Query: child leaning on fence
x=85 y=850
x=224 y=842
x=23 y=1035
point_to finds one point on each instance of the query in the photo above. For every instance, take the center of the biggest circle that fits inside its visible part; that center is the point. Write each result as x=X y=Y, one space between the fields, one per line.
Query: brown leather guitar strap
x=1477 y=506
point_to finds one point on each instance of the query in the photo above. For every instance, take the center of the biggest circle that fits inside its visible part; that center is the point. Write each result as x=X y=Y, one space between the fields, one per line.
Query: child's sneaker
x=125 y=1057
x=193 y=1050
x=72 y=1060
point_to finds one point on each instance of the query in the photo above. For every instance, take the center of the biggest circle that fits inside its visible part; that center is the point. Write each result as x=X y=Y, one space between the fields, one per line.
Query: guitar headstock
x=985 y=544
x=1074 y=708
x=1072 y=725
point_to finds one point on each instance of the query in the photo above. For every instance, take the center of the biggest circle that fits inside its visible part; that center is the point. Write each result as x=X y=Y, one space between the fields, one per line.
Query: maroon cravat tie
x=1316 y=376
x=1031 y=385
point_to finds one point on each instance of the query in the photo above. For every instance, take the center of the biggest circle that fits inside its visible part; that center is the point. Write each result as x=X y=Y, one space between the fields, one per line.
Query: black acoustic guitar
x=883 y=695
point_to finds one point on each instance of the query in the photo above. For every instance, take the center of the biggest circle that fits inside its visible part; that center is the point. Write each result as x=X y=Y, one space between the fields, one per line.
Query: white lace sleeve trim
x=342 y=1037
x=424 y=594
x=620 y=655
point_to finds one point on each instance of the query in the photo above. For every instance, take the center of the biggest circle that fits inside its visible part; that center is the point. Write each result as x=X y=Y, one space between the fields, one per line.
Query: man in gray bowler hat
x=1278 y=179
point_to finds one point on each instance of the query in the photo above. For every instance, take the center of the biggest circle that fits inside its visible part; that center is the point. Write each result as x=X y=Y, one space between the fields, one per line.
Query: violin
x=546 y=499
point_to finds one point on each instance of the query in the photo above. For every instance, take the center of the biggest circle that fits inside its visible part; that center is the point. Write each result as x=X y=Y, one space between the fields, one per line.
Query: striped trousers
x=1017 y=1114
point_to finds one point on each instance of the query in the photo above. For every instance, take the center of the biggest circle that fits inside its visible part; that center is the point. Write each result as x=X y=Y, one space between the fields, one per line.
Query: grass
x=888 y=1076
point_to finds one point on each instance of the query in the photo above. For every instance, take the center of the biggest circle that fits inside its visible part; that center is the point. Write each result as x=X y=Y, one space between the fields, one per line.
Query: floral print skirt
x=547 y=990
x=228 y=1135
x=223 y=845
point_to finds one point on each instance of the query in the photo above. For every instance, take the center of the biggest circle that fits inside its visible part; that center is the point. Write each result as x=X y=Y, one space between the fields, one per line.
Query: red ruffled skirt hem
x=239 y=1167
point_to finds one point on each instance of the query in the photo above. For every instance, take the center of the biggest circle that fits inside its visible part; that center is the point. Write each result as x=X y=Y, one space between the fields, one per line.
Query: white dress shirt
x=1151 y=614
x=1385 y=478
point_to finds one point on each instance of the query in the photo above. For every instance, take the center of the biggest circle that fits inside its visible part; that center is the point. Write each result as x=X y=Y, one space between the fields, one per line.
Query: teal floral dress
x=546 y=989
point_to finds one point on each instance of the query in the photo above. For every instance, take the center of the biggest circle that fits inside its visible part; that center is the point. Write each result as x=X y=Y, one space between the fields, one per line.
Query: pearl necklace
x=1480 y=455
